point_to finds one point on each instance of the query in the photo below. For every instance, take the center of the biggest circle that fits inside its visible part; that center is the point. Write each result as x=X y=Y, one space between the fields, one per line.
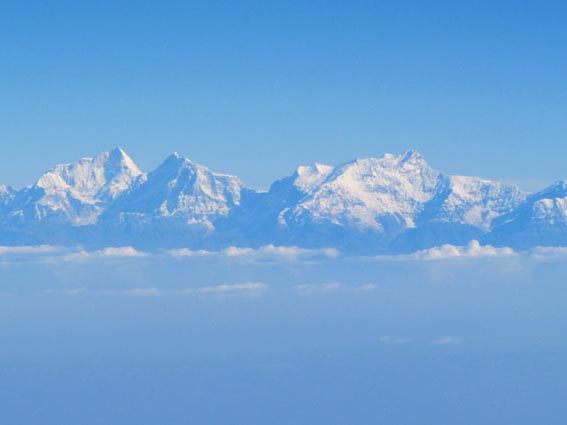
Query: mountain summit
x=183 y=190
x=393 y=203
x=77 y=193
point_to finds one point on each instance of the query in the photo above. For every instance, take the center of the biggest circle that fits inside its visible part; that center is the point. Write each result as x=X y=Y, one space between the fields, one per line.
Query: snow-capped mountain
x=76 y=193
x=396 y=202
x=393 y=203
x=183 y=190
x=477 y=202
x=540 y=220
x=6 y=195
x=401 y=191
x=383 y=194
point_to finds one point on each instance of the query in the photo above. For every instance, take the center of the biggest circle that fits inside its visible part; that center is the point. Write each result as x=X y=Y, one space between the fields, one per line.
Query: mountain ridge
x=389 y=204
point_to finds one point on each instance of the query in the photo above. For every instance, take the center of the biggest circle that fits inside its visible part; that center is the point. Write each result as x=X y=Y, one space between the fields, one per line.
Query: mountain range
x=390 y=204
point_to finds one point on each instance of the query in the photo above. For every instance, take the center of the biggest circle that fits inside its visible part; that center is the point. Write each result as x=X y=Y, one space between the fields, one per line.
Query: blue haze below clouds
x=464 y=341
x=255 y=88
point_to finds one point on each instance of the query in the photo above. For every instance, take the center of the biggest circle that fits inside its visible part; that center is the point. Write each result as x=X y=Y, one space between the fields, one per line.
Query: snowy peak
x=393 y=202
x=478 y=202
x=101 y=178
x=540 y=220
x=378 y=193
x=557 y=190
x=396 y=192
x=183 y=189
x=548 y=206
x=310 y=176
x=7 y=194
x=77 y=193
x=406 y=175
x=183 y=175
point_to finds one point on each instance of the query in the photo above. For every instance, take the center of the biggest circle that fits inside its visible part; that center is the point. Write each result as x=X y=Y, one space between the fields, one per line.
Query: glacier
x=396 y=203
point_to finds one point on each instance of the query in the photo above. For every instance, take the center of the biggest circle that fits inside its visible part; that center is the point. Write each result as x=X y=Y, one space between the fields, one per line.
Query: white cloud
x=110 y=252
x=29 y=249
x=324 y=288
x=275 y=254
x=185 y=252
x=234 y=251
x=238 y=288
x=249 y=288
x=131 y=292
x=285 y=253
x=126 y=251
x=473 y=250
x=263 y=253
x=141 y=292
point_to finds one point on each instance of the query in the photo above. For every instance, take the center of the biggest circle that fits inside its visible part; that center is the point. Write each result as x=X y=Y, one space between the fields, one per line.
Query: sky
x=256 y=88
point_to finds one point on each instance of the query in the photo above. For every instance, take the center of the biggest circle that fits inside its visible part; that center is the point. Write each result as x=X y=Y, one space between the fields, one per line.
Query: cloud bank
x=473 y=250
x=325 y=288
x=264 y=253
x=110 y=252
x=239 y=288
x=248 y=288
x=29 y=250
x=280 y=254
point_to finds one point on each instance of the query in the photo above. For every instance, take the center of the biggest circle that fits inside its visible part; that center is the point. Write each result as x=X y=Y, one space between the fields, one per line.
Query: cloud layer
x=473 y=250
x=279 y=254
x=29 y=250
x=264 y=253
x=221 y=289
x=325 y=288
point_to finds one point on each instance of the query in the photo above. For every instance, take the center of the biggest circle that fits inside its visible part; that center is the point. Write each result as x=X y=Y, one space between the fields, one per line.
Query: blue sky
x=256 y=88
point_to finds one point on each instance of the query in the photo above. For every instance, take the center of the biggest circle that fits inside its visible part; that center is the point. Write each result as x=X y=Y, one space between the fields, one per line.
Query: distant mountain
x=182 y=190
x=392 y=203
x=6 y=195
x=540 y=220
x=74 y=194
x=395 y=203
